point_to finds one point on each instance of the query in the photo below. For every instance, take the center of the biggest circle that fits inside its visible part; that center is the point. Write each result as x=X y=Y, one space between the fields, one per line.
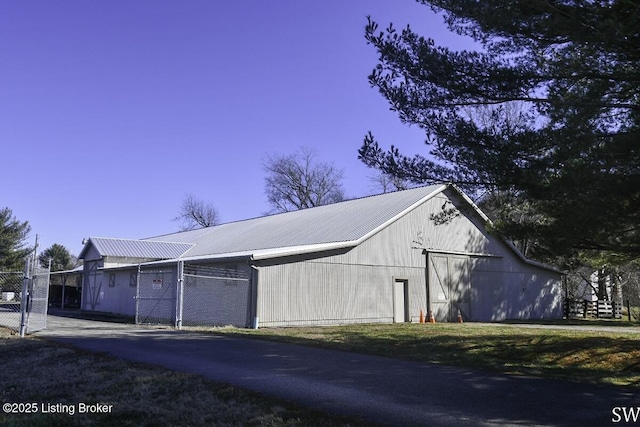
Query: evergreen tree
x=13 y=249
x=60 y=258
x=572 y=67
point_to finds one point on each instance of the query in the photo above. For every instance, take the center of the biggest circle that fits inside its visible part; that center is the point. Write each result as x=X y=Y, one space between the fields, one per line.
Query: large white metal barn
x=383 y=258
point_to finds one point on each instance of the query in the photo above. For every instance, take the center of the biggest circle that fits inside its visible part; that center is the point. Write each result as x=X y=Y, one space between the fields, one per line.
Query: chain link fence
x=10 y=297
x=215 y=296
x=193 y=295
x=24 y=315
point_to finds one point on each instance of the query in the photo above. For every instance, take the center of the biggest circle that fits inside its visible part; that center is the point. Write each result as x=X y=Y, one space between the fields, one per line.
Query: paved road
x=384 y=391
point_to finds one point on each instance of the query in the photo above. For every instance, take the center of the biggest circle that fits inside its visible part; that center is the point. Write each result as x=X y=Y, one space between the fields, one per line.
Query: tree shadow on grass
x=567 y=355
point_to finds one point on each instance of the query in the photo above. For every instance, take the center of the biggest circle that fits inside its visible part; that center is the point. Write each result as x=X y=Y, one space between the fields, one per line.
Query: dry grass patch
x=47 y=372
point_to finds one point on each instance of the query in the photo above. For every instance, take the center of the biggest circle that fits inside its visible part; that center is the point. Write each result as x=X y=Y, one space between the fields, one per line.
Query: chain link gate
x=38 y=302
x=156 y=295
x=193 y=295
x=29 y=314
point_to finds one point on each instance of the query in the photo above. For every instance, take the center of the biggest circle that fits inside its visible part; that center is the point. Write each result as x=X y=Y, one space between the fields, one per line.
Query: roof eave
x=301 y=250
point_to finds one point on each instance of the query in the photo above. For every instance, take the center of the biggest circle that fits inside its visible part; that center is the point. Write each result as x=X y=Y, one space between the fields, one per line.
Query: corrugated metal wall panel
x=308 y=293
x=510 y=289
x=403 y=242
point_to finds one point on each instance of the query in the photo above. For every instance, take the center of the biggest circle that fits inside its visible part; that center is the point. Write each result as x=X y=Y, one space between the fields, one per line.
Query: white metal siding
x=403 y=242
x=510 y=289
x=321 y=293
x=119 y=298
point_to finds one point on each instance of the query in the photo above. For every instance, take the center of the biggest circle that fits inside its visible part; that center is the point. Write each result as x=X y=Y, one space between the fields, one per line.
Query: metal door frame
x=405 y=297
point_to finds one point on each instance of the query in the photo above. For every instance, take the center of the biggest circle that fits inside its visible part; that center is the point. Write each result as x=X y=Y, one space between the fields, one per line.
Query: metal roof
x=126 y=248
x=336 y=225
x=339 y=225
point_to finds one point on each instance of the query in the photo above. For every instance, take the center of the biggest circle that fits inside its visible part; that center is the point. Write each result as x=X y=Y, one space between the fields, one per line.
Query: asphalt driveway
x=381 y=390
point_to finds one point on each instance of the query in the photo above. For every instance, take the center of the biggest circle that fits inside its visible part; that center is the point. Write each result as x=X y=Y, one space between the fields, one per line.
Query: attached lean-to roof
x=126 y=248
x=324 y=227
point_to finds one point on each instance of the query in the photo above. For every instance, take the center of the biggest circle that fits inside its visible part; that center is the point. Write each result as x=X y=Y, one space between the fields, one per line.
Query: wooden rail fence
x=593 y=309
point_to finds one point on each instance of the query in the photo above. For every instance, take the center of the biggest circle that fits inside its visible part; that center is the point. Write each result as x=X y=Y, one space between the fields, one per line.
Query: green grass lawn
x=584 y=356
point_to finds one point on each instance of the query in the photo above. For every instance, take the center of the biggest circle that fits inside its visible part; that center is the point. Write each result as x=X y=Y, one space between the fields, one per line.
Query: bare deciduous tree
x=196 y=213
x=386 y=183
x=299 y=181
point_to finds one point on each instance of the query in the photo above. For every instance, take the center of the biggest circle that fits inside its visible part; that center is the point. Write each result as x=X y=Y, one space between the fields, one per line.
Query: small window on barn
x=112 y=280
x=133 y=280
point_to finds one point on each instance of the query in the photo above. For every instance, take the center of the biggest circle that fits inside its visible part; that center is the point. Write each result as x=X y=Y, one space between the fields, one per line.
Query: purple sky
x=111 y=112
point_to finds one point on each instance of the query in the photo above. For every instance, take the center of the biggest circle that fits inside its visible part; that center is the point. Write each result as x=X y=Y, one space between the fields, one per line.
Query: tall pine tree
x=572 y=68
x=13 y=249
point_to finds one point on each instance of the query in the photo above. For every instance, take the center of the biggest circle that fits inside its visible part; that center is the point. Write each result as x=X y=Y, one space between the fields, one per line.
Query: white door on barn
x=400 y=302
x=449 y=287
